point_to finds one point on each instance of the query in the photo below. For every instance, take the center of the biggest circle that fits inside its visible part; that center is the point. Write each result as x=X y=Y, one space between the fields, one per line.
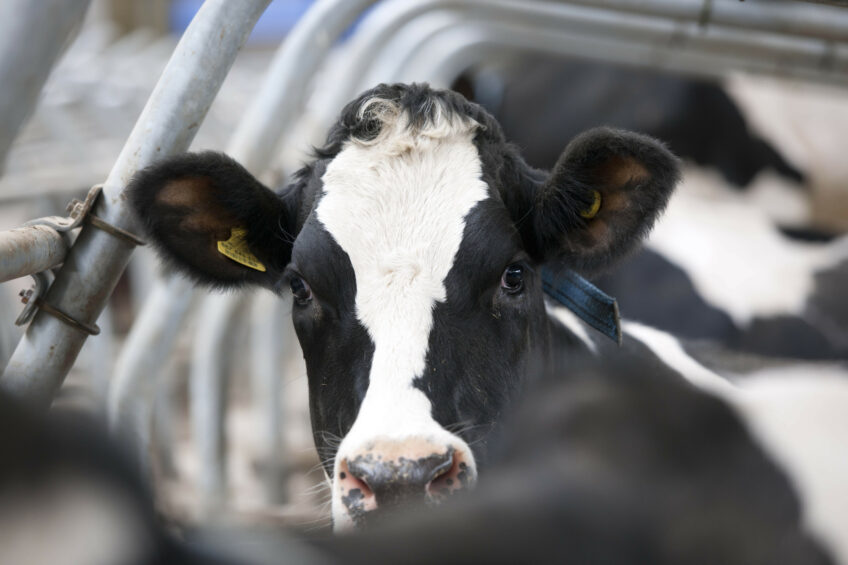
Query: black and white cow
x=413 y=247
x=723 y=241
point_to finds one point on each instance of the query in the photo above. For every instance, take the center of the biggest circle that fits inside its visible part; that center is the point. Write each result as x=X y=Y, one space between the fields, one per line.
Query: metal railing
x=92 y=266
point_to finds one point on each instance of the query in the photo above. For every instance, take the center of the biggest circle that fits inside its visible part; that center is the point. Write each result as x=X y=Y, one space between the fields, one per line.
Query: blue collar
x=591 y=304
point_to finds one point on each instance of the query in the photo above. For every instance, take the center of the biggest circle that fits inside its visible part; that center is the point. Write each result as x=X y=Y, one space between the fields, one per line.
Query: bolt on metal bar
x=167 y=125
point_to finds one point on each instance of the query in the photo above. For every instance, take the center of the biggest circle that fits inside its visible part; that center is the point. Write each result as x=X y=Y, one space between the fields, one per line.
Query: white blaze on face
x=397 y=206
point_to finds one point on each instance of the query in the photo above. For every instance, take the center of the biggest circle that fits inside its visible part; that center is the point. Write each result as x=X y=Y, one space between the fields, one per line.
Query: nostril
x=352 y=485
x=454 y=477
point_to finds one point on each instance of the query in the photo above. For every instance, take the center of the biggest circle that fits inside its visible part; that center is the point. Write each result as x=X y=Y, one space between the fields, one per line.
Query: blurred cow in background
x=734 y=259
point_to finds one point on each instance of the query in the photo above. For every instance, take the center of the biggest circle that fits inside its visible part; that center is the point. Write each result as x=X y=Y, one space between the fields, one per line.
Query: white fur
x=570 y=320
x=799 y=414
x=735 y=257
x=397 y=206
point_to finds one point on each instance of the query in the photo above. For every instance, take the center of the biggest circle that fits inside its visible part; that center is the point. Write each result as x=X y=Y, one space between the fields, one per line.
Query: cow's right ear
x=212 y=220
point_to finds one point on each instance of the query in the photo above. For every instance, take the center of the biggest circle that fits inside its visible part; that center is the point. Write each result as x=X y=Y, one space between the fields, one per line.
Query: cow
x=620 y=462
x=414 y=246
x=542 y=102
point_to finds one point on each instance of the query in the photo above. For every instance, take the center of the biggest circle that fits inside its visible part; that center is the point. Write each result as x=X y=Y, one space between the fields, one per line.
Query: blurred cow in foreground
x=619 y=463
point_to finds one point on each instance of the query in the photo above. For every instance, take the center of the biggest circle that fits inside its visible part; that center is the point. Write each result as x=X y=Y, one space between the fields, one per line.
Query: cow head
x=412 y=246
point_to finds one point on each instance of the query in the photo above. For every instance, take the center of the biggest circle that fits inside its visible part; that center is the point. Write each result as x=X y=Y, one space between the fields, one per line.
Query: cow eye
x=512 y=280
x=300 y=290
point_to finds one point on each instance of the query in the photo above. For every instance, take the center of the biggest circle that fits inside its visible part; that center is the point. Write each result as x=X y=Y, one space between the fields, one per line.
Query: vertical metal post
x=146 y=348
x=270 y=337
x=32 y=36
x=167 y=125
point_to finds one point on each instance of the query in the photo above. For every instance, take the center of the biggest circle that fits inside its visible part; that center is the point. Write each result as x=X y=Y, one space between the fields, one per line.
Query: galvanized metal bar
x=167 y=125
x=711 y=52
x=373 y=34
x=29 y=250
x=449 y=51
x=791 y=18
x=284 y=91
x=32 y=37
x=271 y=335
x=681 y=26
x=139 y=367
x=207 y=391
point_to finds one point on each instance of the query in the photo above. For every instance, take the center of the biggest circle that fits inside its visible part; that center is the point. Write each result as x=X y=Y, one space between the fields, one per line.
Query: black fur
x=560 y=230
x=617 y=462
x=235 y=199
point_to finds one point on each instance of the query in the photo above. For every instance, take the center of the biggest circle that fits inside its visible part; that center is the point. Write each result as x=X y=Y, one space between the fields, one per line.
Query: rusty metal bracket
x=33 y=299
x=31 y=296
x=90 y=329
x=79 y=212
x=82 y=211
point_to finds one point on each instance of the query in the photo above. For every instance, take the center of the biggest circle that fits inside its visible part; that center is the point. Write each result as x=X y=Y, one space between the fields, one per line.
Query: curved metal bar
x=211 y=357
x=141 y=361
x=271 y=340
x=784 y=17
x=283 y=93
x=166 y=125
x=637 y=40
x=452 y=50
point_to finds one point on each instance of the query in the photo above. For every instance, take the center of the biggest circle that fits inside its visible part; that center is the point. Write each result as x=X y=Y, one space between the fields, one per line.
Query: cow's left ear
x=602 y=198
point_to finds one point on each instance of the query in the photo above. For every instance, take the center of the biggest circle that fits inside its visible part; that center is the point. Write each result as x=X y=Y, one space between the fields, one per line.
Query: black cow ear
x=602 y=198
x=212 y=220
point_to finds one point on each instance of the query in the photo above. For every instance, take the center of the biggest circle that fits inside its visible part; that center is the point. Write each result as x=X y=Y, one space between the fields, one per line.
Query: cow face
x=412 y=247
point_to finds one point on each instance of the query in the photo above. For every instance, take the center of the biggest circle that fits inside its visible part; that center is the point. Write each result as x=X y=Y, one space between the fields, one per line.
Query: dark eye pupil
x=300 y=290
x=513 y=278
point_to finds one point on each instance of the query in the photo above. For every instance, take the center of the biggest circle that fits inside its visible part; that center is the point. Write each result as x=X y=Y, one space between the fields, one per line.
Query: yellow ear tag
x=596 y=206
x=236 y=249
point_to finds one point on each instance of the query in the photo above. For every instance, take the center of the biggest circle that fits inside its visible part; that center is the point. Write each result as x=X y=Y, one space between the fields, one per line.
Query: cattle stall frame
x=157 y=323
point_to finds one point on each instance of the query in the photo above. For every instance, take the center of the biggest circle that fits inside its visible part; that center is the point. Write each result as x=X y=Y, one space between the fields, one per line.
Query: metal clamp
x=79 y=212
x=90 y=329
x=31 y=296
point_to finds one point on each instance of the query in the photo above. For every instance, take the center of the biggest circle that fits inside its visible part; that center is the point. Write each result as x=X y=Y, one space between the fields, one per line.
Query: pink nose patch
x=389 y=475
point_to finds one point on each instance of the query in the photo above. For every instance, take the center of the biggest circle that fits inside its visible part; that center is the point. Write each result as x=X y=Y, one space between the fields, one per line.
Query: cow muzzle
x=389 y=475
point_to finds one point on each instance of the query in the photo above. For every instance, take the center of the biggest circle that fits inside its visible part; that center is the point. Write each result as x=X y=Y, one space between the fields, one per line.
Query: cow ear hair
x=212 y=220
x=602 y=198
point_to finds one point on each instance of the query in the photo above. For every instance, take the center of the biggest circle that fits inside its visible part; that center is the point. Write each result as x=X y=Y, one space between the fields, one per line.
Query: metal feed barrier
x=406 y=40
